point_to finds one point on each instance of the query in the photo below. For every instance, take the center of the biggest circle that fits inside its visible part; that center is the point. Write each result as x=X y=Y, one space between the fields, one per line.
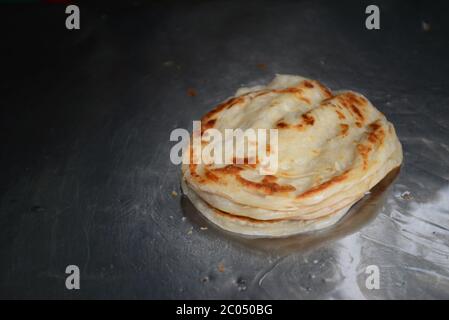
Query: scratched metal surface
x=86 y=177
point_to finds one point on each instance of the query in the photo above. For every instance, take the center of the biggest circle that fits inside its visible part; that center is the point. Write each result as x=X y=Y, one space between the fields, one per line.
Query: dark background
x=85 y=121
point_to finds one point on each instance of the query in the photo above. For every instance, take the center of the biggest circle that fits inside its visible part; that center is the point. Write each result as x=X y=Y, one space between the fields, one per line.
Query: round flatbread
x=332 y=148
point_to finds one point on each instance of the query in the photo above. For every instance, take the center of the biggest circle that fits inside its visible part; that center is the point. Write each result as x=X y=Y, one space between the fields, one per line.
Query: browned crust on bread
x=325 y=185
x=344 y=129
x=377 y=133
x=211 y=176
x=229 y=169
x=340 y=115
x=364 y=151
x=225 y=105
x=194 y=174
x=376 y=136
x=327 y=92
x=352 y=103
x=207 y=125
x=297 y=91
x=308 y=119
x=282 y=125
x=265 y=187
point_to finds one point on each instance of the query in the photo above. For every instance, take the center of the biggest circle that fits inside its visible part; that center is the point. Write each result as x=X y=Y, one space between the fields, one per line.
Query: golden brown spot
x=211 y=176
x=209 y=124
x=352 y=103
x=352 y=98
x=377 y=134
x=343 y=101
x=265 y=187
x=194 y=174
x=344 y=129
x=288 y=90
x=225 y=105
x=357 y=112
x=308 y=119
x=374 y=126
x=251 y=161
x=269 y=179
x=372 y=137
x=297 y=91
x=364 y=152
x=308 y=84
x=229 y=169
x=327 y=93
x=234 y=101
x=281 y=125
x=324 y=185
x=192 y=168
x=306 y=100
x=341 y=116
x=358 y=124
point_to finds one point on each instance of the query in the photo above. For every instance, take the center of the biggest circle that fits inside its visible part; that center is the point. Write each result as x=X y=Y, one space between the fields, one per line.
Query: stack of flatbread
x=332 y=149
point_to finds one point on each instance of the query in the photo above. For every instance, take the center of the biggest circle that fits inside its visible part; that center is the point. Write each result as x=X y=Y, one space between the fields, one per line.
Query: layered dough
x=332 y=149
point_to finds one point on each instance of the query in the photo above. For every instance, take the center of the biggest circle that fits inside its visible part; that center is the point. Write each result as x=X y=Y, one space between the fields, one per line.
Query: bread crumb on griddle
x=406 y=195
x=191 y=92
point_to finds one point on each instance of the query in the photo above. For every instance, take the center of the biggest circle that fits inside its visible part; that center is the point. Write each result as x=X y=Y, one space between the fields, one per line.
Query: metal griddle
x=86 y=176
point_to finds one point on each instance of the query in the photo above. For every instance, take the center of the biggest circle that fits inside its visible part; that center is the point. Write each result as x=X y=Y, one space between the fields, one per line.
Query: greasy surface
x=86 y=177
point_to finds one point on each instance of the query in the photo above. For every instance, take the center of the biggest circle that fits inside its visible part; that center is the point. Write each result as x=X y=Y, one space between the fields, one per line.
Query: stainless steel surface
x=86 y=175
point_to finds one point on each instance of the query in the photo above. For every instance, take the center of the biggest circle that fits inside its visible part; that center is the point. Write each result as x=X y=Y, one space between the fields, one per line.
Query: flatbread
x=333 y=148
x=258 y=228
